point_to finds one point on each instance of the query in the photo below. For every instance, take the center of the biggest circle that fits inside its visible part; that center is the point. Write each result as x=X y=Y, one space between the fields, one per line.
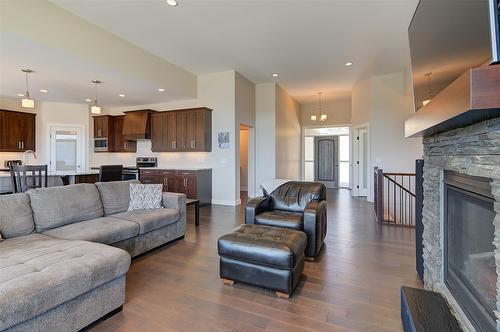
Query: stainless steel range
x=132 y=173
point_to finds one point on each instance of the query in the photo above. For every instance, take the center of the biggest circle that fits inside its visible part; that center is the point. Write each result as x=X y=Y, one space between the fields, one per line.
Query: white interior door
x=362 y=161
x=66 y=149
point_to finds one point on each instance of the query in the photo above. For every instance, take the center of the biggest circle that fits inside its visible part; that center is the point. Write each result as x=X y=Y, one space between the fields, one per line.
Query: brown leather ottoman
x=265 y=256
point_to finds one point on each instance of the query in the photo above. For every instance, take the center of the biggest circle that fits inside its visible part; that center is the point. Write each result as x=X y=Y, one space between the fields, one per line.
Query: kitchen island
x=54 y=179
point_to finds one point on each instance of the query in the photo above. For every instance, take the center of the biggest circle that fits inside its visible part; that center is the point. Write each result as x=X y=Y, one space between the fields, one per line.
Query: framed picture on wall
x=223 y=140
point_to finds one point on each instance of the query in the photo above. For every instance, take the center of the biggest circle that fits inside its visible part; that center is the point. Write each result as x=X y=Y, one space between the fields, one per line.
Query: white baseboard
x=227 y=203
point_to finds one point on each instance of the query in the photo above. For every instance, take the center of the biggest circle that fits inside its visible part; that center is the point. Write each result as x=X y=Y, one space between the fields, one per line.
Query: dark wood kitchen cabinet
x=17 y=131
x=102 y=126
x=120 y=143
x=111 y=128
x=195 y=184
x=186 y=130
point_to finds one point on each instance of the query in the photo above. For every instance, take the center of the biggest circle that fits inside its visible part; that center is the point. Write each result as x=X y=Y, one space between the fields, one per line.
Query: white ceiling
x=306 y=42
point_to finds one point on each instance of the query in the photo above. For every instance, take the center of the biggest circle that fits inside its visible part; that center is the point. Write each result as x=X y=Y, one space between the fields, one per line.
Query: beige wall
x=361 y=102
x=41 y=21
x=338 y=111
x=288 y=136
x=265 y=133
x=49 y=113
x=245 y=114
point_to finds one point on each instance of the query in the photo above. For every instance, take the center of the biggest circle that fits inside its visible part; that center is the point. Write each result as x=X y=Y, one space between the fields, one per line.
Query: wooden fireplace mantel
x=471 y=98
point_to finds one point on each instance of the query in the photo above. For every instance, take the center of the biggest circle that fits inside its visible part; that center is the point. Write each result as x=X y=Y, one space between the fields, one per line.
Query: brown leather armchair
x=295 y=205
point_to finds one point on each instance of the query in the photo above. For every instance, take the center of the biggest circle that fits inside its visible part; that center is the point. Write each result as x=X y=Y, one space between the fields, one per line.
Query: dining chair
x=109 y=173
x=26 y=177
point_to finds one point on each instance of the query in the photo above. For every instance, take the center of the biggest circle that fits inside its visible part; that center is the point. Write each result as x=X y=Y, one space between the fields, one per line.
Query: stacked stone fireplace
x=471 y=151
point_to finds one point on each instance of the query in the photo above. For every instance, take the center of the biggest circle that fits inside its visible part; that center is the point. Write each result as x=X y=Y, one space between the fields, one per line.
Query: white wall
x=383 y=103
x=338 y=111
x=215 y=91
x=265 y=133
x=288 y=136
x=49 y=113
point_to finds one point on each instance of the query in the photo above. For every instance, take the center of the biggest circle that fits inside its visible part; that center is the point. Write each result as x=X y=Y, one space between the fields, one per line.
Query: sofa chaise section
x=49 y=284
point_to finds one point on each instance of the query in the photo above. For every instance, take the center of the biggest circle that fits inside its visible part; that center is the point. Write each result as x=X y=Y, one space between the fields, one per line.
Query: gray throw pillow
x=145 y=196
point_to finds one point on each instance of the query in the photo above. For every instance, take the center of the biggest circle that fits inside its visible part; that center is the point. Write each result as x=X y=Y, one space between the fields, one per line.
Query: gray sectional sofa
x=64 y=252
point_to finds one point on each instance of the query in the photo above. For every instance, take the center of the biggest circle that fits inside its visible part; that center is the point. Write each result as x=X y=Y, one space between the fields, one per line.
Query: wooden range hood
x=471 y=98
x=137 y=124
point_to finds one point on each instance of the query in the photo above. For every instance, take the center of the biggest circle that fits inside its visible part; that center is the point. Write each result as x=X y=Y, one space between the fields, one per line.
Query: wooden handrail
x=400 y=174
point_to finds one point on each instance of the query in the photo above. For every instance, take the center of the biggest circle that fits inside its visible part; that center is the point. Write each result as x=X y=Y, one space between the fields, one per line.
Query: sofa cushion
x=115 y=195
x=287 y=219
x=58 y=206
x=102 y=230
x=145 y=196
x=16 y=217
x=38 y=273
x=149 y=220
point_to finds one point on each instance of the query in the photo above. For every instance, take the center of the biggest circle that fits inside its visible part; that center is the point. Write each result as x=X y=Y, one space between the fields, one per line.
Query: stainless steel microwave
x=100 y=144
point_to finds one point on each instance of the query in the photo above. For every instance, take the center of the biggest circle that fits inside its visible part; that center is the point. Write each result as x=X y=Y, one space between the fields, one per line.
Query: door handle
x=22 y=145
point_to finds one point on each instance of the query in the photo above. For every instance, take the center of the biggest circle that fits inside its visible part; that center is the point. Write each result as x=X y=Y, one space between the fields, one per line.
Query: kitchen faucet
x=25 y=153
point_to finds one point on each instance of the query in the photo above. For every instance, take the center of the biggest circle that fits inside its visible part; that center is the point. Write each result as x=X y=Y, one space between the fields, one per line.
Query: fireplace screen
x=470 y=272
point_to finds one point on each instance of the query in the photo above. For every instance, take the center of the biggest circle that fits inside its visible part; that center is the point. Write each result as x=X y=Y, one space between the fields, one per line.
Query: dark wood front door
x=326 y=164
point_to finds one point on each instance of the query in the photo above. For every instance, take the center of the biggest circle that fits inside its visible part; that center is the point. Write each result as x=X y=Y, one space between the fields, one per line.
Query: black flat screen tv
x=448 y=37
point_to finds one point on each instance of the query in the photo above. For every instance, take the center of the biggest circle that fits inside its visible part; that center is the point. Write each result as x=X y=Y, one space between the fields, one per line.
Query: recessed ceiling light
x=275 y=75
x=348 y=64
x=44 y=91
x=161 y=90
x=20 y=95
x=88 y=100
x=122 y=95
x=172 y=3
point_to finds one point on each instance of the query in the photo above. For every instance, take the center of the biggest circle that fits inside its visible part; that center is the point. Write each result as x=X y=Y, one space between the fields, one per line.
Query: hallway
x=352 y=286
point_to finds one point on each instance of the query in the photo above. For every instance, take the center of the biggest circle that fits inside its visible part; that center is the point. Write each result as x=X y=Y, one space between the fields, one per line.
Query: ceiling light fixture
x=122 y=95
x=425 y=102
x=27 y=102
x=94 y=109
x=88 y=100
x=348 y=64
x=322 y=117
x=44 y=91
x=161 y=90
x=275 y=75
x=172 y=3
x=20 y=95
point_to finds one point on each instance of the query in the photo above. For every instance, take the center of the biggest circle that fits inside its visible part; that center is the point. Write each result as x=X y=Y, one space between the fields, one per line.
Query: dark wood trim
x=471 y=98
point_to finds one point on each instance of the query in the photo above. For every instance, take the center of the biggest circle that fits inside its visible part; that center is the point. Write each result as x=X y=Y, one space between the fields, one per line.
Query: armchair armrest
x=315 y=225
x=255 y=206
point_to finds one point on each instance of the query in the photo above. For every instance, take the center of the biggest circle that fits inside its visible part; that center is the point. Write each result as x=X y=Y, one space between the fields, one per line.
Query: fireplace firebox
x=469 y=260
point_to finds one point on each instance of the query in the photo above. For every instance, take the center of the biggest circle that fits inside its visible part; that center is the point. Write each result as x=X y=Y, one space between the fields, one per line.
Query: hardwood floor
x=352 y=286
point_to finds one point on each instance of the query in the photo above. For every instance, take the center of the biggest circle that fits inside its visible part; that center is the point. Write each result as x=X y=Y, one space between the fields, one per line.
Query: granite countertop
x=176 y=168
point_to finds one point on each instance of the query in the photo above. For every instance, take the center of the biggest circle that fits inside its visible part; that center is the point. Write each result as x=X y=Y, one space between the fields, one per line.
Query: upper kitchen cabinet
x=120 y=143
x=17 y=131
x=108 y=135
x=187 y=130
x=102 y=126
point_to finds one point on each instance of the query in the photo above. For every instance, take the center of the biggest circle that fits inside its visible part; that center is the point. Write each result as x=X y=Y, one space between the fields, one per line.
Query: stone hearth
x=475 y=151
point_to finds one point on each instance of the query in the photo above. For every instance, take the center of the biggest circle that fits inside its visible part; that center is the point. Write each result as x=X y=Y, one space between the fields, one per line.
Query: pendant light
x=322 y=117
x=26 y=101
x=425 y=102
x=94 y=109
